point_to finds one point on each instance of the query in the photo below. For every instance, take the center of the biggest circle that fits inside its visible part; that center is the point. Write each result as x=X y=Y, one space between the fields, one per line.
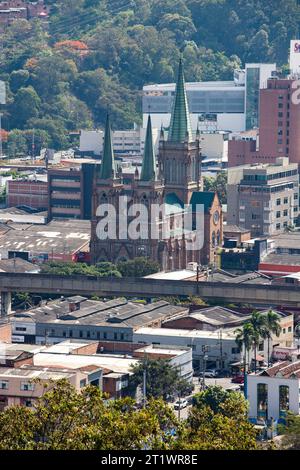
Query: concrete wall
x=273 y=394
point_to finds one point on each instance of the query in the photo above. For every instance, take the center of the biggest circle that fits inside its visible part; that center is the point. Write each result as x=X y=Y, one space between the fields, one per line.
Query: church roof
x=206 y=198
x=149 y=164
x=107 y=169
x=173 y=204
x=180 y=126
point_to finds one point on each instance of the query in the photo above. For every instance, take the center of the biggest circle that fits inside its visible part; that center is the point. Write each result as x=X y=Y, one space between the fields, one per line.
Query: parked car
x=238 y=379
x=180 y=404
x=211 y=373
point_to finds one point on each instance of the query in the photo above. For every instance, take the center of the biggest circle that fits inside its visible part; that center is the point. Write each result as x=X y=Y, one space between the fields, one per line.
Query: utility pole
x=145 y=382
x=198 y=272
x=33 y=145
x=205 y=349
x=1 y=147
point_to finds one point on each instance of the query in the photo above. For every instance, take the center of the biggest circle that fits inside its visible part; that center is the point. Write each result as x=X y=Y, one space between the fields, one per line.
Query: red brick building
x=279 y=130
x=27 y=193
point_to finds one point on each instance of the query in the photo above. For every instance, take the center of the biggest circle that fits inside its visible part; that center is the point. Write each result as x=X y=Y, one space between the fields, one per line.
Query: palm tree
x=272 y=326
x=258 y=323
x=244 y=339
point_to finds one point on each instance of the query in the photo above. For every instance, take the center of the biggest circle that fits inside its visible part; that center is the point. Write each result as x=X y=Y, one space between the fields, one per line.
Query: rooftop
x=114 y=363
x=285 y=369
x=31 y=374
x=91 y=312
x=185 y=333
x=61 y=236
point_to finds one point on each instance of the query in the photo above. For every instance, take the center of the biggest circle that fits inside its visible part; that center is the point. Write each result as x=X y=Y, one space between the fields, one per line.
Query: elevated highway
x=267 y=295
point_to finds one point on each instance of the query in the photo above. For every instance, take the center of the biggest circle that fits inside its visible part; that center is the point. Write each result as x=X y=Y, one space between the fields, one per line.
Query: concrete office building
x=222 y=348
x=279 y=127
x=70 y=191
x=124 y=142
x=263 y=198
x=220 y=105
x=80 y=318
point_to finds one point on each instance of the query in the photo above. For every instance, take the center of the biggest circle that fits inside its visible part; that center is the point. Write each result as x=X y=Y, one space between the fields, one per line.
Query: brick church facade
x=172 y=181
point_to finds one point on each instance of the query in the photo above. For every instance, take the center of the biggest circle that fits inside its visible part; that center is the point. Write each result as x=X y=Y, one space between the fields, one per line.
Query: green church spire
x=107 y=169
x=180 y=126
x=149 y=164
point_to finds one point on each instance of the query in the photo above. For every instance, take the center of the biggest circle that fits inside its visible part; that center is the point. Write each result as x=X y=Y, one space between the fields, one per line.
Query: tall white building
x=220 y=105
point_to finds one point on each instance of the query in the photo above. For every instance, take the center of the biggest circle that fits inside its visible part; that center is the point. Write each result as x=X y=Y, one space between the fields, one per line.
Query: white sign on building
x=295 y=56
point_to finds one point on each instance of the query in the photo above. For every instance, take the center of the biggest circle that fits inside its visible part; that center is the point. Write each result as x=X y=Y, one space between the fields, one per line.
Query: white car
x=180 y=404
x=210 y=373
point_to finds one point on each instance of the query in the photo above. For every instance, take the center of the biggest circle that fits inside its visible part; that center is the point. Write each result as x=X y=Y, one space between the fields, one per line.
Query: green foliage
x=219 y=421
x=138 y=267
x=63 y=419
x=162 y=379
x=291 y=433
x=217 y=185
x=104 y=269
x=128 y=45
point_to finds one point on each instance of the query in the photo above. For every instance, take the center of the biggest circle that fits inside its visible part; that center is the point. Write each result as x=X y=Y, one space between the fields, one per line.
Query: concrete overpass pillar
x=5 y=303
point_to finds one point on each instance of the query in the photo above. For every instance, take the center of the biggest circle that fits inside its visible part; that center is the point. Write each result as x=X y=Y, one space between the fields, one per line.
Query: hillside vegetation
x=96 y=54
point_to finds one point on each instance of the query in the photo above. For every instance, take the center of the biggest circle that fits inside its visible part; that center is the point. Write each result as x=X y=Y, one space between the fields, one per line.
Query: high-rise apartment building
x=263 y=198
x=279 y=129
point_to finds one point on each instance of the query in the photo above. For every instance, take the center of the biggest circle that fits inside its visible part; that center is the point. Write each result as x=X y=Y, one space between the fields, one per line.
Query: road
x=222 y=382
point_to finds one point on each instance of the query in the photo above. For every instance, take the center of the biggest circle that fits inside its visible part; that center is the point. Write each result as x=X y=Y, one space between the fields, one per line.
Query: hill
x=95 y=54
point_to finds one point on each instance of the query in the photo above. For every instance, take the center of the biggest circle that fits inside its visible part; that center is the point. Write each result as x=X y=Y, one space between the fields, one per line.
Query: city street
x=224 y=382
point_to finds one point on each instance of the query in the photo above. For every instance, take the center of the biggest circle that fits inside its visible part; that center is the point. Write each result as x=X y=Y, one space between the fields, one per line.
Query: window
x=278 y=201
x=122 y=336
x=71 y=333
x=80 y=334
x=278 y=213
x=4 y=384
x=284 y=399
x=262 y=401
x=27 y=386
x=284 y=331
x=286 y=200
x=285 y=213
x=115 y=336
x=19 y=328
x=88 y=334
x=82 y=383
x=235 y=350
x=261 y=346
x=64 y=334
x=280 y=114
x=289 y=329
x=277 y=226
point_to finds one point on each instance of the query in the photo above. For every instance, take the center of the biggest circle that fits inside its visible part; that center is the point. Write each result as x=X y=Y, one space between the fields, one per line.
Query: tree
x=272 y=326
x=63 y=419
x=26 y=105
x=219 y=421
x=138 y=267
x=217 y=185
x=17 y=144
x=257 y=320
x=244 y=339
x=162 y=379
x=60 y=268
x=290 y=432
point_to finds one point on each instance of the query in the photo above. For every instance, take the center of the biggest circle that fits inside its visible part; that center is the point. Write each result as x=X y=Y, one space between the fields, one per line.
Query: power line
x=69 y=24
